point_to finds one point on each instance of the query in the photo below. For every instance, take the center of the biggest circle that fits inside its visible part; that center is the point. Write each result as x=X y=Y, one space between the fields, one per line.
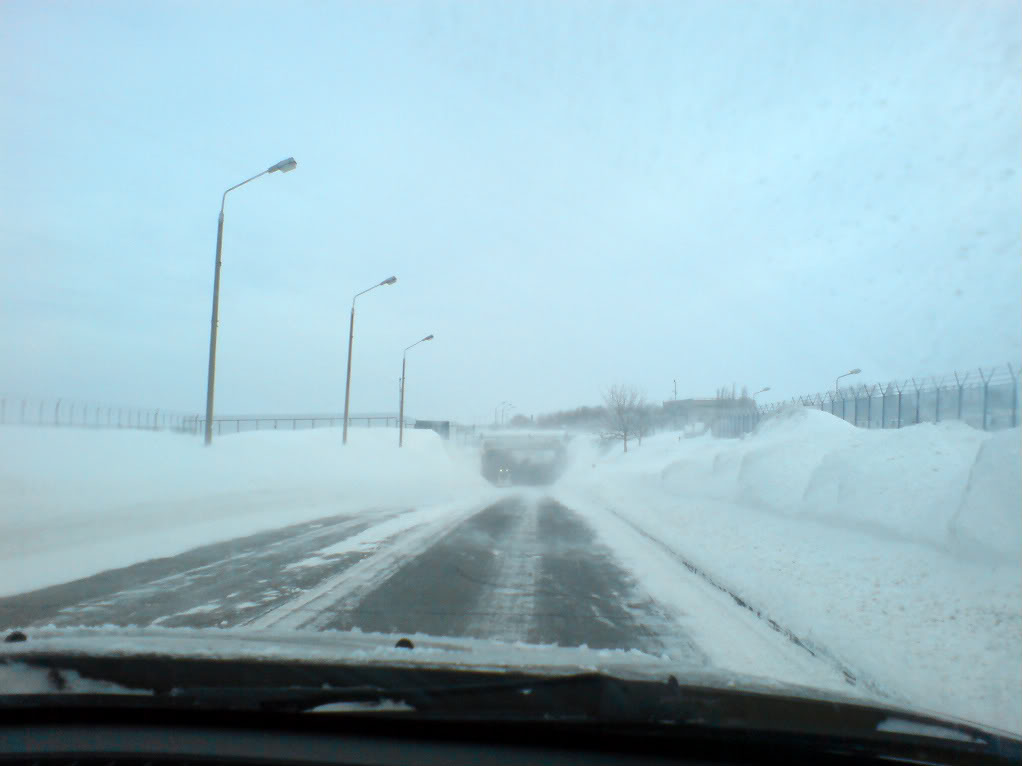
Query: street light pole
x=762 y=390
x=401 y=406
x=351 y=337
x=837 y=390
x=284 y=166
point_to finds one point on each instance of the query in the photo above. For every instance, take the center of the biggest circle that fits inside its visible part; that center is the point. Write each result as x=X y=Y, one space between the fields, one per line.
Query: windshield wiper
x=584 y=696
x=654 y=708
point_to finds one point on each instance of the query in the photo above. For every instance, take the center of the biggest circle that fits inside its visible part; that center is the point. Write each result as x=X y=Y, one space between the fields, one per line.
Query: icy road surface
x=525 y=568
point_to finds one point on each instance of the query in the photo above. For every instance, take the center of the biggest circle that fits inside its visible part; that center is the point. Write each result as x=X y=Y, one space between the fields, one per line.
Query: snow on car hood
x=355 y=648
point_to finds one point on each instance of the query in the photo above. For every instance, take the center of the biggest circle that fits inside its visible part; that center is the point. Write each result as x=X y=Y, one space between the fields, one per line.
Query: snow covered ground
x=893 y=553
x=893 y=556
x=77 y=502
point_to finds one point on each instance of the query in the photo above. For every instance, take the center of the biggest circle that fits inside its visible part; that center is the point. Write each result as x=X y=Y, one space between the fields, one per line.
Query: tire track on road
x=159 y=589
x=519 y=570
x=392 y=545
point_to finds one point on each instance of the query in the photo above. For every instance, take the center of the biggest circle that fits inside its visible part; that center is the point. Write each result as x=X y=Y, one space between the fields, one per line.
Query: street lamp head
x=428 y=337
x=856 y=371
x=284 y=166
x=388 y=281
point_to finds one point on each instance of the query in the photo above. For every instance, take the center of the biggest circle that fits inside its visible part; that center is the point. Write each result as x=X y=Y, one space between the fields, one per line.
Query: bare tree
x=644 y=418
x=623 y=413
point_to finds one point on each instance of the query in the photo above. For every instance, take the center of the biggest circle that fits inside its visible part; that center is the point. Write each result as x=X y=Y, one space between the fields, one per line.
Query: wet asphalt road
x=519 y=570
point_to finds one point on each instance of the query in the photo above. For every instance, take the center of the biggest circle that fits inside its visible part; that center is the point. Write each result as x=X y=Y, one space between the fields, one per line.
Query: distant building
x=683 y=411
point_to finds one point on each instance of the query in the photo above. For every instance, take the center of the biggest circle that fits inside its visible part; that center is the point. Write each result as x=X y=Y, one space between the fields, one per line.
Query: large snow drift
x=895 y=553
x=77 y=502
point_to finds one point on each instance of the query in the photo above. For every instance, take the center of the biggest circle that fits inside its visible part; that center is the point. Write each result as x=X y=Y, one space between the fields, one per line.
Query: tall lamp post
x=837 y=390
x=761 y=391
x=503 y=412
x=401 y=407
x=351 y=336
x=284 y=166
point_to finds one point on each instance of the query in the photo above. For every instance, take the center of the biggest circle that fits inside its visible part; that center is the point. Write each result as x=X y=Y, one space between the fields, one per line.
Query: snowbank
x=941 y=485
x=990 y=515
x=77 y=502
x=894 y=553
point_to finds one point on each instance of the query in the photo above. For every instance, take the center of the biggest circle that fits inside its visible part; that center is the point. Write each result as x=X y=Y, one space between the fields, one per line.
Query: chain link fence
x=71 y=413
x=985 y=398
x=235 y=424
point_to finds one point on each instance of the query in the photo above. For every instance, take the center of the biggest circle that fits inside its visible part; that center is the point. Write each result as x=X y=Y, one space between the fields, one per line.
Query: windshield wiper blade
x=589 y=696
x=658 y=707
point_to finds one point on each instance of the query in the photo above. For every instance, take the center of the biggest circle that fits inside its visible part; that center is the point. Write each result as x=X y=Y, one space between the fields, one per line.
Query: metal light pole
x=503 y=412
x=498 y=414
x=283 y=166
x=837 y=390
x=351 y=336
x=762 y=390
x=401 y=407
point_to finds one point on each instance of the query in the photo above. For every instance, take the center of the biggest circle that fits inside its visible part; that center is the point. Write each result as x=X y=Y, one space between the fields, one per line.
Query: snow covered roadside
x=76 y=502
x=897 y=552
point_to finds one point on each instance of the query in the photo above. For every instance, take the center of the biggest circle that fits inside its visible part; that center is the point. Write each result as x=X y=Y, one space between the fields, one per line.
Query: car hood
x=368 y=650
x=117 y=660
x=353 y=647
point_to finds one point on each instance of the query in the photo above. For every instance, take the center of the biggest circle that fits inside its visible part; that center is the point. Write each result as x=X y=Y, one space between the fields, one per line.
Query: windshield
x=655 y=338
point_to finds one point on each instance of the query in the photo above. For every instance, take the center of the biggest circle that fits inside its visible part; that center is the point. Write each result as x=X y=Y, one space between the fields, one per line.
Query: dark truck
x=523 y=459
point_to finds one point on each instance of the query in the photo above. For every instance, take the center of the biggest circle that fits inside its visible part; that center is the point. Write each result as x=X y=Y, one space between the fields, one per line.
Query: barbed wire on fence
x=985 y=398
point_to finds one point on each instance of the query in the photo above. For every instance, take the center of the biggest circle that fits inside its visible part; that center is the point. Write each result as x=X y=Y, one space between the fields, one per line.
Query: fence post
x=156 y=421
x=56 y=414
x=898 y=387
x=23 y=405
x=869 y=404
x=986 y=393
x=961 y=385
x=883 y=406
x=1014 y=395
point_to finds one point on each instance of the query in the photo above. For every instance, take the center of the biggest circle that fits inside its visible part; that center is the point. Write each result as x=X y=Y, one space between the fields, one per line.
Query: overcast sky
x=570 y=194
